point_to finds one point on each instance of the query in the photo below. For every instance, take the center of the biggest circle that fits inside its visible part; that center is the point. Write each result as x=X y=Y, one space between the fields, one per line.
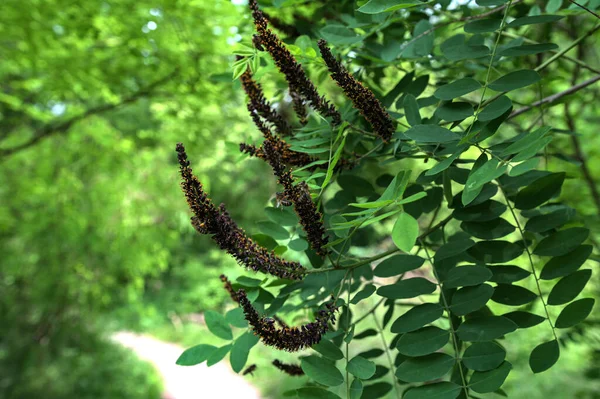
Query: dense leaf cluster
x=478 y=245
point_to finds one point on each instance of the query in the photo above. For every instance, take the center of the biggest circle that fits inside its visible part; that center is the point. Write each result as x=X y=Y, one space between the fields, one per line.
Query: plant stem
x=533 y=271
x=457 y=358
x=387 y=353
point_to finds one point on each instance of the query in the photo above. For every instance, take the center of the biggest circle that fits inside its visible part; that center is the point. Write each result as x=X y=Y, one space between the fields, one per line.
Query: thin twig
x=465 y=19
x=554 y=97
x=64 y=126
x=585 y=8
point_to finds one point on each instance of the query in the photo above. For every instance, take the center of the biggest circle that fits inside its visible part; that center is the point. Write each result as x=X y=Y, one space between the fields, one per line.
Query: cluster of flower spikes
x=289 y=156
x=229 y=288
x=291 y=69
x=259 y=104
x=209 y=219
x=234 y=297
x=299 y=194
x=291 y=369
x=291 y=339
x=363 y=99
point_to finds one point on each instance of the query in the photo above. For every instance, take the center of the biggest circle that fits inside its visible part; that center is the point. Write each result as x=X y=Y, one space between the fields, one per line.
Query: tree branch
x=64 y=126
x=554 y=97
x=585 y=8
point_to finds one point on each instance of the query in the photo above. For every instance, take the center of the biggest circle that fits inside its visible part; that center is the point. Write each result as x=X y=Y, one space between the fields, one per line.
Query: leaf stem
x=457 y=357
x=533 y=271
x=387 y=353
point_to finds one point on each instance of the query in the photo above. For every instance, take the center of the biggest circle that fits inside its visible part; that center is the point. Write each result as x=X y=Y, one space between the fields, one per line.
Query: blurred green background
x=94 y=231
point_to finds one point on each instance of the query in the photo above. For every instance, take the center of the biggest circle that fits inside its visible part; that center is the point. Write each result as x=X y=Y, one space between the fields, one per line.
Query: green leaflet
x=321 y=370
x=544 y=356
x=361 y=367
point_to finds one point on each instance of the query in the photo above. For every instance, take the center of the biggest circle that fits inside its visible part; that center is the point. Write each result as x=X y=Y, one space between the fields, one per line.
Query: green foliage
x=477 y=220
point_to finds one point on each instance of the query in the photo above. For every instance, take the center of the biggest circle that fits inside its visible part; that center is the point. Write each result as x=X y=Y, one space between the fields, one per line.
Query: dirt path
x=197 y=382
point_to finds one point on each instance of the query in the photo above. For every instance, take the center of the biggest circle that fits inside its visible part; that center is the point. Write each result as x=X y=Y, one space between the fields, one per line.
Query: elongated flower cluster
x=209 y=219
x=299 y=195
x=299 y=107
x=287 y=64
x=258 y=103
x=291 y=369
x=250 y=369
x=363 y=99
x=291 y=339
x=229 y=288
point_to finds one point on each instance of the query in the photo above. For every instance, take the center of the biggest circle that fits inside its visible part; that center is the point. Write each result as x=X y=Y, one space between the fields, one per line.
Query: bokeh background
x=95 y=236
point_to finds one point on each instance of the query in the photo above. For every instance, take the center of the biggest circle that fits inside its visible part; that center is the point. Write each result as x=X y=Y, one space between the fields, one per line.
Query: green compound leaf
x=540 y=191
x=364 y=294
x=218 y=355
x=495 y=251
x=236 y=318
x=398 y=264
x=417 y=317
x=469 y=299
x=526 y=141
x=495 y=109
x=438 y=390
x=486 y=211
x=328 y=349
x=431 y=134
x=457 y=49
x=454 y=111
x=322 y=371
x=356 y=389
x=240 y=350
x=411 y=110
x=405 y=232
x=487 y=172
x=361 y=368
x=423 y=341
x=457 y=88
x=574 y=313
x=464 y=276
x=528 y=49
x=564 y=265
x=524 y=319
x=569 y=287
x=453 y=248
x=409 y=288
x=425 y=368
x=515 y=80
x=377 y=390
x=562 y=242
x=534 y=19
x=298 y=245
x=483 y=25
x=508 y=274
x=544 y=356
x=282 y=216
x=491 y=380
x=340 y=35
x=379 y=6
x=483 y=356
x=524 y=167
x=217 y=325
x=493 y=229
x=274 y=230
x=549 y=221
x=513 y=295
x=485 y=328
x=195 y=355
